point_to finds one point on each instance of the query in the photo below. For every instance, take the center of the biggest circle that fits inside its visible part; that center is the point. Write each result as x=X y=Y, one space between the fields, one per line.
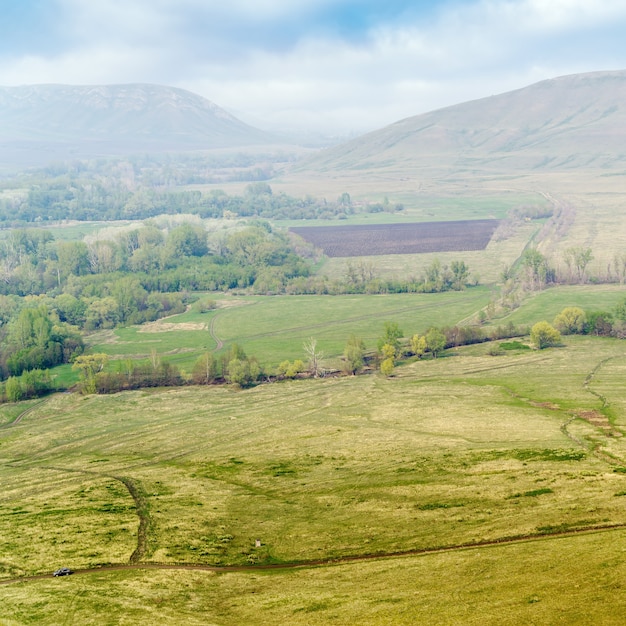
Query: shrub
x=543 y=335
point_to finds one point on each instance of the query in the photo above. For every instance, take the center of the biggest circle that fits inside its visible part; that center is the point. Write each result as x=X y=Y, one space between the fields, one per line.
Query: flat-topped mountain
x=117 y=119
x=566 y=123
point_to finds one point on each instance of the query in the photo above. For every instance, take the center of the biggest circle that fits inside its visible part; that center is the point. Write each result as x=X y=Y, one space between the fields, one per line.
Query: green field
x=456 y=451
x=274 y=328
x=547 y=304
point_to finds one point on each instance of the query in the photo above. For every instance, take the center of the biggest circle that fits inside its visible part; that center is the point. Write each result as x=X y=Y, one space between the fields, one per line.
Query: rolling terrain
x=488 y=480
x=485 y=486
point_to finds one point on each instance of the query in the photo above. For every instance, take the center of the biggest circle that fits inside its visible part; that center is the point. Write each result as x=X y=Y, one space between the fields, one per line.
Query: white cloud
x=465 y=51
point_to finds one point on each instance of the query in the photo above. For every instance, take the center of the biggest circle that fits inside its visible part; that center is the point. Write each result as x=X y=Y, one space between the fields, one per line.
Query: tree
x=386 y=367
x=314 y=356
x=460 y=274
x=129 y=295
x=536 y=268
x=579 y=258
x=234 y=353
x=388 y=352
x=599 y=323
x=101 y=313
x=571 y=320
x=187 y=240
x=287 y=369
x=88 y=365
x=435 y=341
x=13 y=389
x=391 y=336
x=544 y=335
x=354 y=355
x=239 y=373
x=418 y=345
x=204 y=369
x=73 y=257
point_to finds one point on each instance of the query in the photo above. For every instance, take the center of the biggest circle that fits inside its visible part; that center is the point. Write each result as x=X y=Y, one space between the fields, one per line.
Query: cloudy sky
x=334 y=66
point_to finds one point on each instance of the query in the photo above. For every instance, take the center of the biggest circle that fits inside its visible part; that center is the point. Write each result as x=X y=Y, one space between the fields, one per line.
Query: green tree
x=571 y=320
x=204 y=369
x=391 y=336
x=129 y=295
x=88 y=365
x=536 y=268
x=544 y=335
x=435 y=341
x=187 y=240
x=13 y=389
x=239 y=373
x=460 y=274
x=619 y=312
x=418 y=345
x=101 y=313
x=354 y=355
x=386 y=367
x=288 y=369
x=73 y=258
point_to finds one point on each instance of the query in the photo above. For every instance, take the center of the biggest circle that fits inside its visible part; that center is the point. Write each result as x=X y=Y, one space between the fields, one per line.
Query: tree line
x=235 y=367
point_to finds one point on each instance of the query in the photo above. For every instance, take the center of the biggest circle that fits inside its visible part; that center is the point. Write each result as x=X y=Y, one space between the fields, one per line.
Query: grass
x=547 y=304
x=569 y=580
x=274 y=328
x=316 y=469
x=459 y=450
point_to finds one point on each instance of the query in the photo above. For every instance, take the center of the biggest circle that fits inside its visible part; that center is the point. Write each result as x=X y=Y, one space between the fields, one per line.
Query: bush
x=543 y=335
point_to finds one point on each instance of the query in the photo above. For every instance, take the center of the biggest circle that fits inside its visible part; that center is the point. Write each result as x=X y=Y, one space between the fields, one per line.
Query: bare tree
x=314 y=356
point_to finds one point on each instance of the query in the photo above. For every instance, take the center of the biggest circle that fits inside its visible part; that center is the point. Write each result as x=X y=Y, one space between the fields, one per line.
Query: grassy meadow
x=547 y=304
x=274 y=328
x=456 y=451
x=569 y=580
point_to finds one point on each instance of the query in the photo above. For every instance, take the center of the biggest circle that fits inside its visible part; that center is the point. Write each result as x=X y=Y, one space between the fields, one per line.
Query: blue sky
x=334 y=66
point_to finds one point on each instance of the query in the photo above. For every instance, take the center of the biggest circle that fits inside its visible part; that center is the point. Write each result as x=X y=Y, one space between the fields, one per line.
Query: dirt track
x=333 y=561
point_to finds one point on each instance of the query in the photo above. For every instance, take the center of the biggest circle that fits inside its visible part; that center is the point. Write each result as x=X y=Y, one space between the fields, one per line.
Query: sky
x=323 y=66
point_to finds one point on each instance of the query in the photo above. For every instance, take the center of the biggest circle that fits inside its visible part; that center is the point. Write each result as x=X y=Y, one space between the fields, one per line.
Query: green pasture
x=463 y=449
x=421 y=208
x=274 y=328
x=547 y=304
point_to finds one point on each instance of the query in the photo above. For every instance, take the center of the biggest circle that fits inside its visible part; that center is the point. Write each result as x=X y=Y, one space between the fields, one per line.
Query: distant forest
x=143 y=187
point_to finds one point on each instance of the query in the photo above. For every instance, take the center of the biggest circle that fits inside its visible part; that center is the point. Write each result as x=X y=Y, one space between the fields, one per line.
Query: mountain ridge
x=118 y=119
x=571 y=121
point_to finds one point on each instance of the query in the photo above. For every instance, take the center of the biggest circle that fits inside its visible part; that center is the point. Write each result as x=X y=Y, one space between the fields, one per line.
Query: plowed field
x=412 y=238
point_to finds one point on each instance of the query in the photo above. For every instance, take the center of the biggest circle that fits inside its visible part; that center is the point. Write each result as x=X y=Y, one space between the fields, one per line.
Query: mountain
x=113 y=119
x=564 y=124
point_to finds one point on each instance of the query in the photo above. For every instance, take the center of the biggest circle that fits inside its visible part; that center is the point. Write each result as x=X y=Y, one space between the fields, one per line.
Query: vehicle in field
x=64 y=571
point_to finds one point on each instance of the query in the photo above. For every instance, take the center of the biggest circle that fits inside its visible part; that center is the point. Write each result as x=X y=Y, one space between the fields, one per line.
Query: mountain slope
x=565 y=123
x=118 y=118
